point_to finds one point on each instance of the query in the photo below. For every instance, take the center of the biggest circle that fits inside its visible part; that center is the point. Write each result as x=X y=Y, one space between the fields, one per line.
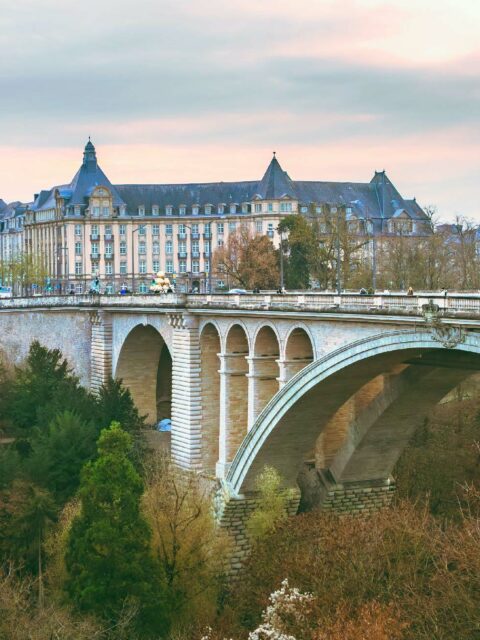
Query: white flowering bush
x=288 y=610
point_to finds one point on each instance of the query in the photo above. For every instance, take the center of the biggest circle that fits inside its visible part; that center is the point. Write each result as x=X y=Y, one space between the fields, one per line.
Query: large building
x=125 y=233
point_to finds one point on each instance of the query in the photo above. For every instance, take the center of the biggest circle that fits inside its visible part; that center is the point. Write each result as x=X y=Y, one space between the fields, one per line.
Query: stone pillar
x=289 y=368
x=101 y=349
x=186 y=392
x=232 y=515
x=262 y=384
x=233 y=408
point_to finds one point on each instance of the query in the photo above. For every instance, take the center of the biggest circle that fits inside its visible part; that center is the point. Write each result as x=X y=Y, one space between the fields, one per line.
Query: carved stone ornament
x=448 y=335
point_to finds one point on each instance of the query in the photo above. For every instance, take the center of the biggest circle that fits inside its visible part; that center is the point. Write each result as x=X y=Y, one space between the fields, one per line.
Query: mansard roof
x=376 y=199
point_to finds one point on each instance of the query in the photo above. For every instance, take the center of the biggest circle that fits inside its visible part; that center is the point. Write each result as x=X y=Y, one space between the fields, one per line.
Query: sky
x=205 y=90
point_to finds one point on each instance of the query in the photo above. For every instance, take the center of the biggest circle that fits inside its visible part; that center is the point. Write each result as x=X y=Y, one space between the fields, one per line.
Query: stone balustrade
x=466 y=305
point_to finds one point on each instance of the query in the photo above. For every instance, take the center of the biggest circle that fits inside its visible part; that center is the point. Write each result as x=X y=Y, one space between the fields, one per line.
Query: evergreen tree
x=301 y=251
x=108 y=560
x=59 y=453
x=115 y=404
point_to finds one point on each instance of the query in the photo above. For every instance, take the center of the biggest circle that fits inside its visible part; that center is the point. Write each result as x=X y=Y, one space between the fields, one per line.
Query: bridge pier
x=101 y=349
x=233 y=513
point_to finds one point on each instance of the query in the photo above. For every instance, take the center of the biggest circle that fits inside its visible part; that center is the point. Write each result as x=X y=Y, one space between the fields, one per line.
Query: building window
x=78 y=269
x=195 y=209
x=244 y=207
x=79 y=289
x=259 y=226
x=195 y=266
x=95 y=269
x=155 y=210
x=233 y=208
x=195 y=228
x=78 y=248
x=168 y=229
x=95 y=246
x=195 y=248
x=169 y=267
x=182 y=249
x=96 y=211
x=108 y=230
x=106 y=211
x=78 y=229
x=220 y=284
x=123 y=229
x=123 y=248
x=232 y=226
x=182 y=210
x=258 y=207
x=108 y=268
x=169 y=247
x=156 y=229
x=220 y=242
x=123 y=267
x=182 y=229
x=142 y=266
x=219 y=227
x=142 y=229
x=208 y=209
x=76 y=209
x=270 y=207
x=182 y=266
x=270 y=230
x=156 y=266
x=207 y=266
x=169 y=210
x=109 y=289
x=94 y=231
x=155 y=248
x=207 y=247
x=207 y=229
x=142 y=247
x=285 y=207
x=221 y=208
x=109 y=250
x=142 y=288
x=141 y=210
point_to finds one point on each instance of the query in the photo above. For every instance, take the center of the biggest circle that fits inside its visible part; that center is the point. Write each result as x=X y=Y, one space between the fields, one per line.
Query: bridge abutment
x=101 y=349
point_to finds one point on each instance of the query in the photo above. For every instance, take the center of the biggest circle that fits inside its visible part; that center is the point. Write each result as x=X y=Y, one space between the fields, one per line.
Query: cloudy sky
x=195 y=90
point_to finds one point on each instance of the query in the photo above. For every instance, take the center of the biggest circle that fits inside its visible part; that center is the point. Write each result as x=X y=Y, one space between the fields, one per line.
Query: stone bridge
x=327 y=389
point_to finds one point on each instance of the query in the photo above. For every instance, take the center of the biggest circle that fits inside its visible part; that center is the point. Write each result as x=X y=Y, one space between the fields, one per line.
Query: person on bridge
x=410 y=291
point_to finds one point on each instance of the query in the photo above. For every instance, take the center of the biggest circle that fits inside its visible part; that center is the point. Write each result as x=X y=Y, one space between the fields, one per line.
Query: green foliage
x=301 y=251
x=115 y=404
x=109 y=562
x=59 y=452
x=272 y=504
x=44 y=387
x=9 y=461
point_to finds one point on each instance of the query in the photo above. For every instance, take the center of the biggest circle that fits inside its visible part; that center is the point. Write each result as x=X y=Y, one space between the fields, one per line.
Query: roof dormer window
x=195 y=209
x=169 y=210
x=233 y=208
x=182 y=210
x=221 y=208
x=141 y=210
x=208 y=209
x=155 y=210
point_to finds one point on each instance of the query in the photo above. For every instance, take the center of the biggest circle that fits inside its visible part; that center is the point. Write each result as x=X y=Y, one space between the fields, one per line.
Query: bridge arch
x=145 y=367
x=299 y=352
x=287 y=428
x=210 y=350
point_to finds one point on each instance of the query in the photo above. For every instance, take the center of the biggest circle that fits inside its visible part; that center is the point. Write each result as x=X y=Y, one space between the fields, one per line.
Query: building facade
x=124 y=234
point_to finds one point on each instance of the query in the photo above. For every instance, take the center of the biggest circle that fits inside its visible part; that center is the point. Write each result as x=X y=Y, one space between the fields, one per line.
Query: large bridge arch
x=289 y=425
x=145 y=367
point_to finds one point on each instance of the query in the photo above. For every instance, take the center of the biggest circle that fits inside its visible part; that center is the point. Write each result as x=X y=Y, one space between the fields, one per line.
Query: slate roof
x=376 y=199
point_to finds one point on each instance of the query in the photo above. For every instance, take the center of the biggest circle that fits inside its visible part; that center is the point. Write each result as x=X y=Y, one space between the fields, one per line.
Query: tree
x=42 y=388
x=185 y=541
x=39 y=511
x=115 y=404
x=247 y=260
x=301 y=246
x=272 y=504
x=108 y=560
x=23 y=270
x=59 y=452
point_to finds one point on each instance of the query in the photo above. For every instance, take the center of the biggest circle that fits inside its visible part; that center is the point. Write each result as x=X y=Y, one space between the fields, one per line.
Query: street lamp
x=133 y=256
x=337 y=243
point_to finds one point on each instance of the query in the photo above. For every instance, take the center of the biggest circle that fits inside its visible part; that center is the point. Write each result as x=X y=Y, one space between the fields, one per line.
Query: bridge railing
x=452 y=304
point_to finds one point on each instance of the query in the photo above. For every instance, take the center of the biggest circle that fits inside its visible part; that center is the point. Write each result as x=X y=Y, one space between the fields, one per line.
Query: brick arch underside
x=145 y=366
x=287 y=432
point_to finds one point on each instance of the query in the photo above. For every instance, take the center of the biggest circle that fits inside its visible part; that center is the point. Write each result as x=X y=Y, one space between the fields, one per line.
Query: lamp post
x=282 y=279
x=337 y=243
x=133 y=256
